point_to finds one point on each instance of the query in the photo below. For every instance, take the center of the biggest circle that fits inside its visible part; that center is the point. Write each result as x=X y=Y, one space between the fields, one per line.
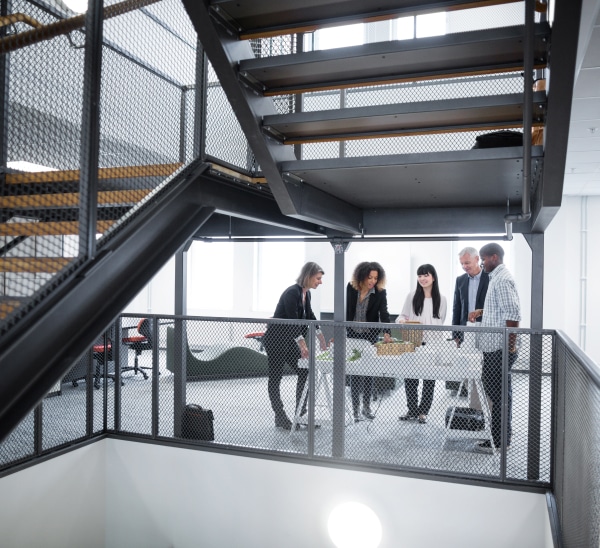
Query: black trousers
x=411 y=387
x=360 y=384
x=276 y=363
x=491 y=377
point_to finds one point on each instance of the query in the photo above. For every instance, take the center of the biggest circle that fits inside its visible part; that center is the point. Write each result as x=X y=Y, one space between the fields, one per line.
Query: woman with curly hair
x=366 y=301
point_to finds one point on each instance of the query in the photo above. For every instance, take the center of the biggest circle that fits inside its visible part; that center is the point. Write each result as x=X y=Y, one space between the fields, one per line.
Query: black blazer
x=289 y=307
x=377 y=311
x=460 y=309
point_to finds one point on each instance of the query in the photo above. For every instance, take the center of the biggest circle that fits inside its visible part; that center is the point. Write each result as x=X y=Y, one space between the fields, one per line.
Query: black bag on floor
x=496 y=139
x=465 y=418
x=197 y=423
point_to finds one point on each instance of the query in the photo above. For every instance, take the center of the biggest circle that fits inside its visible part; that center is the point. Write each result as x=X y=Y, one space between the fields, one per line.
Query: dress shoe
x=408 y=417
x=366 y=412
x=487 y=447
x=422 y=419
x=283 y=422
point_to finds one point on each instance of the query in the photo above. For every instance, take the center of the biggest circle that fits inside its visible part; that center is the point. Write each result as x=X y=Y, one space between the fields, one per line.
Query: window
x=210 y=276
x=277 y=267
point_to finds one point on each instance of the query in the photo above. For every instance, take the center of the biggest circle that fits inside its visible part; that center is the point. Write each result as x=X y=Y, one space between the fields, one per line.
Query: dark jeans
x=360 y=384
x=491 y=376
x=276 y=365
x=411 y=387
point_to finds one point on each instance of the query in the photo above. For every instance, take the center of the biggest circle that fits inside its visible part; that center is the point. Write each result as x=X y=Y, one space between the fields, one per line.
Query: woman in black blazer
x=287 y=343
x=366 y=301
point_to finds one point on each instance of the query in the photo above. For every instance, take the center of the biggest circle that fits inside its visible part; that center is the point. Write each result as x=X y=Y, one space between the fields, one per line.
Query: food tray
x=387 y=349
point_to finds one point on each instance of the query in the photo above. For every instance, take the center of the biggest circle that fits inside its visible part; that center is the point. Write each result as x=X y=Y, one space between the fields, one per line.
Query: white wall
x=572 y=236
x=60 y=503
x=124 y=494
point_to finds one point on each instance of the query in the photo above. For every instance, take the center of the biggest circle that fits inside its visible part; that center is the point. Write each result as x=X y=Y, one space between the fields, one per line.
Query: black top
x=290 y=307
x=377 y=311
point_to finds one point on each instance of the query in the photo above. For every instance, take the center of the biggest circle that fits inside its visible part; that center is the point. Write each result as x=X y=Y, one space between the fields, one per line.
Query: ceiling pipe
x=525 y=214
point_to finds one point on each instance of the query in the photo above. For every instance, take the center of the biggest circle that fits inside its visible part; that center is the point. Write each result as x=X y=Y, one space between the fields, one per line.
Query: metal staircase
x=377 y=139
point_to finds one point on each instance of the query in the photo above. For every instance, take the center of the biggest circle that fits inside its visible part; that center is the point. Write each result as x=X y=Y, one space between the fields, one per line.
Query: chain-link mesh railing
x=146 y=130
x=420 y=402
x=576 y=476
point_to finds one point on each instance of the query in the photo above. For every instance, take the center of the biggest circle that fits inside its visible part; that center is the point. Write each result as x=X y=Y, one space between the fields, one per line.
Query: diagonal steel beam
x=225 y=51
x=39 y=351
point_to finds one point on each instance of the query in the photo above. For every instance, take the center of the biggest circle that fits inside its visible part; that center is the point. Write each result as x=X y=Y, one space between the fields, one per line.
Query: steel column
x=339 y=354
x=90 y=129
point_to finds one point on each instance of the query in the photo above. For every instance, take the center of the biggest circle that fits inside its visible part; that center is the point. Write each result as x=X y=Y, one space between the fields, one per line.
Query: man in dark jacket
x=469 y=295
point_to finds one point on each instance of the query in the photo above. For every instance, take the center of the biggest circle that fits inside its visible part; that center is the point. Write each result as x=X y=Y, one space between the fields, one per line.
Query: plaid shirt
x=501 y=304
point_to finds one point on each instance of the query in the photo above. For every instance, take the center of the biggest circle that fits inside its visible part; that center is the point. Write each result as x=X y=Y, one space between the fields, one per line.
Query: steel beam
x=562 y=63
x=225 y=51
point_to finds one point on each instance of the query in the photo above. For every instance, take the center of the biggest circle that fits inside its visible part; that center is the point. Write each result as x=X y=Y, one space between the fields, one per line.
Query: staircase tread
x=405 y=118
x=268 y=18
x=490 y=50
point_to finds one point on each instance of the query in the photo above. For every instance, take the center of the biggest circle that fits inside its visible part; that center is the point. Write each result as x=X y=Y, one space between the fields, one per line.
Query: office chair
x=139 y=344
x=101 y=355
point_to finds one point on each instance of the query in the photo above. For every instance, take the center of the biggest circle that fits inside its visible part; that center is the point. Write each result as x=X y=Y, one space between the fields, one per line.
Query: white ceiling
x=582 y=170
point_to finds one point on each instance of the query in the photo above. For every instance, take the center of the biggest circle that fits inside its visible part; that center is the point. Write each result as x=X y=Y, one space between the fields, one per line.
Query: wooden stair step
x=48 y=265
x=54 y=228
x=71 y=199
x=72 y=175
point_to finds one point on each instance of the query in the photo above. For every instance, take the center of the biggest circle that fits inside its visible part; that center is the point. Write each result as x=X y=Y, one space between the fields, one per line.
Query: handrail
x=591 y=367
x=65 y=26
x=13 y=18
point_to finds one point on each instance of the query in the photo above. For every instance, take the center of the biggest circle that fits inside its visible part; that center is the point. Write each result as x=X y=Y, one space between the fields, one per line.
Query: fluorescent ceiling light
x=21 y=165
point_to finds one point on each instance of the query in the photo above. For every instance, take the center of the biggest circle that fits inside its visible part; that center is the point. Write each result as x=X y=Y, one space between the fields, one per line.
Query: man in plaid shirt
x=500 y=309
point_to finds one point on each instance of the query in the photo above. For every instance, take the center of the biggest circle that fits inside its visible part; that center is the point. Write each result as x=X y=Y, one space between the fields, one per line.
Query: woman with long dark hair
x=287 y=343
x=425 y=305
x=366 y=301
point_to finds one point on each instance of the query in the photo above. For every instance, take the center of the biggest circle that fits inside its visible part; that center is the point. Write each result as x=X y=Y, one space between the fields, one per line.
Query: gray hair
x=468 y=251
x=307 y=272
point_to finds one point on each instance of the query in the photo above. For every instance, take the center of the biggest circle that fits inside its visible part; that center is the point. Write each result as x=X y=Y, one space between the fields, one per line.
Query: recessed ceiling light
x=592 y=130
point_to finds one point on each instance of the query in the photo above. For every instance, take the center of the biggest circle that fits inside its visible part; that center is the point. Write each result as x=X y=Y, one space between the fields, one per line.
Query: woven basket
x=389 y=349
x=413 y=336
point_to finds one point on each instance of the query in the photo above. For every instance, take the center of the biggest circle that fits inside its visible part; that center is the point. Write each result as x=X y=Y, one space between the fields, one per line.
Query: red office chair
x=258 y=337
x=139 y=343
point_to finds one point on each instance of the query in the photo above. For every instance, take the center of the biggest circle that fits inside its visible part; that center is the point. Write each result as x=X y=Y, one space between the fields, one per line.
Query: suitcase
x=197 y=423
x=497 y=139
x=465 y=418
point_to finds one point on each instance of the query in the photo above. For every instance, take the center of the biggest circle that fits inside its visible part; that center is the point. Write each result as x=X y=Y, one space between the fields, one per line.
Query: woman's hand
x=400 y=319
x=322 y=342
x=387 y=338
x=303 y=349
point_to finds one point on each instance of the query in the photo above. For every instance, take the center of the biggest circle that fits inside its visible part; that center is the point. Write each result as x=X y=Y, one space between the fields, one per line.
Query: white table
x=448 y=364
